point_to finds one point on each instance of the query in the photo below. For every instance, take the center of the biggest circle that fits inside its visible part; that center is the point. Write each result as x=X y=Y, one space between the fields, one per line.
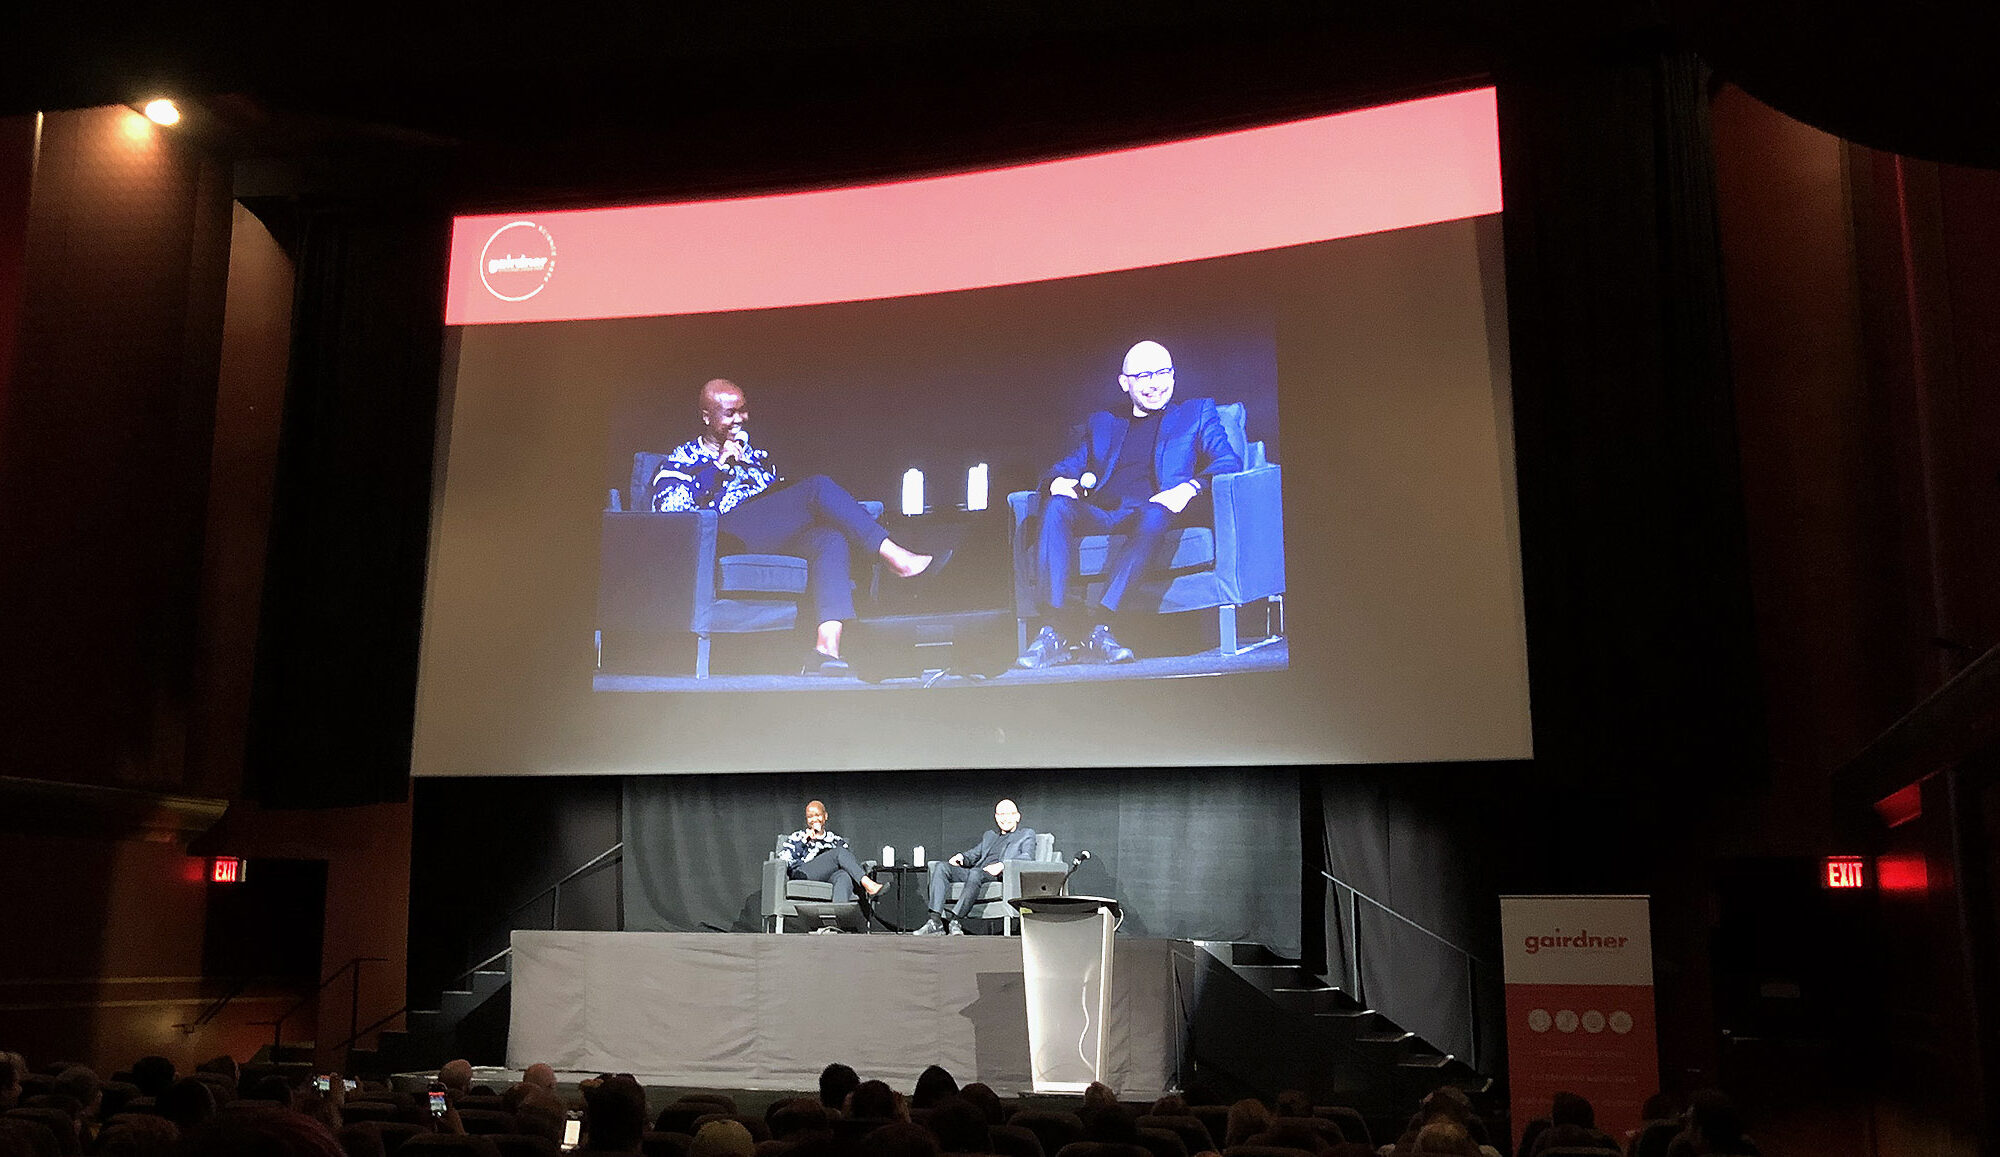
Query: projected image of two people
x=1115 y=517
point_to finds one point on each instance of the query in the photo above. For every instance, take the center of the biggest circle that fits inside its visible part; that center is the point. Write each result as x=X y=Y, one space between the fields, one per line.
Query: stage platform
x=768 y=1012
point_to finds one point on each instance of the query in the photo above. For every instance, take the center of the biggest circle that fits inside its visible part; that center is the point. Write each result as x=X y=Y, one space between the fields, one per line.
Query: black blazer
x=993 y=847
x=1192 y=443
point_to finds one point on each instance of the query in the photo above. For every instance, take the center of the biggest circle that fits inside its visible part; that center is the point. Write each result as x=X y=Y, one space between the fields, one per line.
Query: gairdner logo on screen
x=517 y=261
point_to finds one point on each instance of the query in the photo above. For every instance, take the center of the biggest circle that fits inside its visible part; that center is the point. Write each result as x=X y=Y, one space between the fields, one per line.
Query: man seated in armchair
x=1134 y=473
x=973 y=868
x=814 y=853
x=814 y=518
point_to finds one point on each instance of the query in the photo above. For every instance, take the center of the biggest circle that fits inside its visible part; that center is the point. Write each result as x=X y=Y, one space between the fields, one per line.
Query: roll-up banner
x=1579 y=972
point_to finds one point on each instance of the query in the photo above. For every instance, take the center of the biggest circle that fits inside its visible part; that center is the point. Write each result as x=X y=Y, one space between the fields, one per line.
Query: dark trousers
x=943 y=874
x=836 y=866
x=1065 y=521
x=817 y=520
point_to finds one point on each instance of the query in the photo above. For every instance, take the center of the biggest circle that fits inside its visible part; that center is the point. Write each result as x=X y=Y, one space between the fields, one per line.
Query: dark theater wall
x=104 y=446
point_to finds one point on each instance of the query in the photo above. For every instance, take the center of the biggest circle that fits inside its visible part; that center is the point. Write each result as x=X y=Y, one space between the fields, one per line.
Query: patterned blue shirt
x=690 y=479
x=802 y=845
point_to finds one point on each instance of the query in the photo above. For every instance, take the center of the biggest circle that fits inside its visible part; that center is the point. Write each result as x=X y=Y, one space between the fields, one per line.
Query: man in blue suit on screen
x=974 y=866
x=1134 y=474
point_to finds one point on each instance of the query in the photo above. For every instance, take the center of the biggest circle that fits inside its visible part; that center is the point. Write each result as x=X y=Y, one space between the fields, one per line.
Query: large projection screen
x=1342 y=586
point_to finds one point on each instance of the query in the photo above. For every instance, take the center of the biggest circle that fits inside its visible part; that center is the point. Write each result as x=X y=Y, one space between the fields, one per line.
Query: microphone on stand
x=1080 y=858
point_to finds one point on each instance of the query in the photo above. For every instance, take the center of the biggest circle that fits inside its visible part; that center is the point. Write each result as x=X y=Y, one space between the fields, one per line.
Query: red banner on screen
x=1392 y=167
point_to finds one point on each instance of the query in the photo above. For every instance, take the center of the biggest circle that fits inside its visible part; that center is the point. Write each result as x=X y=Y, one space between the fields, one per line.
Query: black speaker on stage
x=970 y=644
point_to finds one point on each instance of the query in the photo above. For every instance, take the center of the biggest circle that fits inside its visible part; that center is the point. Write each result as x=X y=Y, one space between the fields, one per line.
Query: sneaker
x=956 y=929
x=1103 y=647
x=932 y=927
x=1047 y=650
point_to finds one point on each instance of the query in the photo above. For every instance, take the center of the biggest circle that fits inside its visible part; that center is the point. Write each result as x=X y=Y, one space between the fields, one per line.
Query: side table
x=905 y=905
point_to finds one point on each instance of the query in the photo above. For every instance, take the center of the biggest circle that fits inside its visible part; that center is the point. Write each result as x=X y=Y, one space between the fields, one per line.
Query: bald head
x=1006 y=816
x=724 y=409
x=540 y=1075
x=1147 y=377
x=456 y=1075
x=714 y=388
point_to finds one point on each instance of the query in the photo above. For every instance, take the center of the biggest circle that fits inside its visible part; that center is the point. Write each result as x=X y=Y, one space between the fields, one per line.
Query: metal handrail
x=555 y=912
x=555 y=921
x=214 y=1007
x=1354 y=970
x=354 y=1004
x=1441 y=939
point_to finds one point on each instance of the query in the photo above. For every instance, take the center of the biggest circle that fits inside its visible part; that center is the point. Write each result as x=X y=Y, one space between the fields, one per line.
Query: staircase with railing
x=1263 y=1022
x=468 y=1021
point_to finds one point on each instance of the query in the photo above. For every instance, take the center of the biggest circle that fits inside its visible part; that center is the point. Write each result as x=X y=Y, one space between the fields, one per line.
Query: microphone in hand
x=733 y=448
x=1084 y=485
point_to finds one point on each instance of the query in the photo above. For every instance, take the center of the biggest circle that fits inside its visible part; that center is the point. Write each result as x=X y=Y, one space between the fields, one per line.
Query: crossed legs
x=838 y=867
x=819 y=520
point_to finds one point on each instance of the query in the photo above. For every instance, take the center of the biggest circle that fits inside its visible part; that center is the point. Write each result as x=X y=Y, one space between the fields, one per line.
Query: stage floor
x=1272 y=656
x=768 y=1012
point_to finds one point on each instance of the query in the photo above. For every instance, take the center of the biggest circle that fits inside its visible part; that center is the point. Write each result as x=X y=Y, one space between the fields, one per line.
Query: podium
x=1066 y=965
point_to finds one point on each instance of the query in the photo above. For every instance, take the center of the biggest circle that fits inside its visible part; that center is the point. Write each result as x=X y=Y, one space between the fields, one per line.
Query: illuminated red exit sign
x=1844 y=872
x=226 y=870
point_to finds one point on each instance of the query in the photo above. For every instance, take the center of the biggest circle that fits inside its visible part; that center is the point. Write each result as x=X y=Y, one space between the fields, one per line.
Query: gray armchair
x=781 y=893
x=1016 y=879
x=661 y=578
x=1237 y=559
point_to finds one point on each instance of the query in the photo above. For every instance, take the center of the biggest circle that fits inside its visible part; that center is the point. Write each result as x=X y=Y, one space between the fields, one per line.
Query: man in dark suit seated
x=1135 y=473
x=974 y=866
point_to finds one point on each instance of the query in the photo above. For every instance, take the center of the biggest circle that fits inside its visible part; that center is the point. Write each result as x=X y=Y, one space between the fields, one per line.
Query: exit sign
x=226 y=870
x=1844 y=872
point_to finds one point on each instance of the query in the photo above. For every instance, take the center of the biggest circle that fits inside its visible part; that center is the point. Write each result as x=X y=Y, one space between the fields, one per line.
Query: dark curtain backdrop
x=1421 y=943
x=1198 y=854
x=335 y=691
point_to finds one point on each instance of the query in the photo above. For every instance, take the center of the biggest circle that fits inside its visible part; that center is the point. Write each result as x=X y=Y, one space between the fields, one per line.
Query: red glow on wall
x=225 y=870
x=1902 y=873
x=1844 y=872
x=1901 y=807
x=1396 y=166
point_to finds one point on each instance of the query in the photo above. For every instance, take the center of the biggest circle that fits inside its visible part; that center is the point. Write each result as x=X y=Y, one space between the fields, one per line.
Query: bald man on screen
x=720 y=470
x=1135 y=472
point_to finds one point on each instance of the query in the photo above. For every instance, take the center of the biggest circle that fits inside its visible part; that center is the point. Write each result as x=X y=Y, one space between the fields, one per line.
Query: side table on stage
x=903 y=907
x=1066 y=965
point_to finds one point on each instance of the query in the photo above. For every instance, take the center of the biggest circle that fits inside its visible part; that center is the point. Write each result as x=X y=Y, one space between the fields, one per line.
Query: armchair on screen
x=1236 y=558
x=661 y=578
x=1017 y=878
x=782 y=895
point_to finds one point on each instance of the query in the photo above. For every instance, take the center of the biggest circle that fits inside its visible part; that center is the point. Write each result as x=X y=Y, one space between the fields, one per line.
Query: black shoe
x=1047 y=650
x=821 y=663
x=932 y=571
x=1103 y=647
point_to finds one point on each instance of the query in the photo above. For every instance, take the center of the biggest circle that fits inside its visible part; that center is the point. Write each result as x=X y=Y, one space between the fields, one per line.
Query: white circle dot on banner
x=1621 y=1022
x=1538 y=1020
x=1593 y=1021
x=1566 y=1021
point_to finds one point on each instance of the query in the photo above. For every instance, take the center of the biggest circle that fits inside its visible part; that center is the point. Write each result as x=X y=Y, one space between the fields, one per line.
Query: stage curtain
x=1429 y=849
x=1210 y=854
